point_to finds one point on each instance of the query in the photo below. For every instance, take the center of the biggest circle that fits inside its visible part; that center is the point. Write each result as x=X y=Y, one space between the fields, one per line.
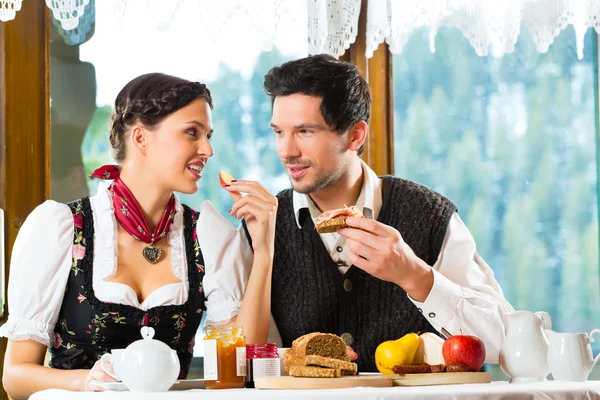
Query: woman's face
x=179 y=147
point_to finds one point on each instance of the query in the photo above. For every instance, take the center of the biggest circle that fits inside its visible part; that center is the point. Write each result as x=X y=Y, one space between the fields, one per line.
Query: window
x=86 y=79
x=513 y=142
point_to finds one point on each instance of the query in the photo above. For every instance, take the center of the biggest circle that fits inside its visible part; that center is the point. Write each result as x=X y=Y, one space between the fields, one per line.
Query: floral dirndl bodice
x=87 y=328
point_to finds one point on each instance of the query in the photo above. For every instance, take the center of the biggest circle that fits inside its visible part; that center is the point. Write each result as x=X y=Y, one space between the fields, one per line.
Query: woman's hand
x=259 y=209
x=97 y=374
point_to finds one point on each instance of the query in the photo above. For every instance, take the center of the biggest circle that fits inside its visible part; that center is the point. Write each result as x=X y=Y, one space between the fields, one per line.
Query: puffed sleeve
x=227 y=261
x=39 y=269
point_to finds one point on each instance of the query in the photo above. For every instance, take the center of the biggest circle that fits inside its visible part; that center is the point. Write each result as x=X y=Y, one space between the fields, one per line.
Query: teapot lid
x=147 y=343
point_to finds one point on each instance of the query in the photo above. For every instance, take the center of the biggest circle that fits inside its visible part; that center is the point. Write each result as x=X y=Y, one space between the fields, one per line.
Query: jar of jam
x=262 y=360
x=224 y=357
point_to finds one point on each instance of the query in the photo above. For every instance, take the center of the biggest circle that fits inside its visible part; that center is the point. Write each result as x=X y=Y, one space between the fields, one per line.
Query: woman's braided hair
x=148 y=99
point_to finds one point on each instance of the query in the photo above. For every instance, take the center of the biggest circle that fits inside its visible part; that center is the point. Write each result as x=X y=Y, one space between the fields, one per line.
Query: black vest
x=310 y=295
x=87 y=328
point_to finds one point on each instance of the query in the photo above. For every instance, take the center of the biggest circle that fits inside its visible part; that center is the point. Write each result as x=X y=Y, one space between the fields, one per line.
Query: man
x=409 y=266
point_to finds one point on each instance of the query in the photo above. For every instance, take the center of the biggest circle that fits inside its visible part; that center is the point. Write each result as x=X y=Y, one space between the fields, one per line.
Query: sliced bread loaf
x=324 y=345
x=321 y=344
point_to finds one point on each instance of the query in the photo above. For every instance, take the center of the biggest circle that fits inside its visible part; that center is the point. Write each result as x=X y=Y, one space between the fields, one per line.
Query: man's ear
x=357 y=135
x=139 y=139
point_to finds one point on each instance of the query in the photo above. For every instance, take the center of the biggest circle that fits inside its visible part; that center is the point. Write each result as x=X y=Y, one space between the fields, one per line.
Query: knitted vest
x=310 y=295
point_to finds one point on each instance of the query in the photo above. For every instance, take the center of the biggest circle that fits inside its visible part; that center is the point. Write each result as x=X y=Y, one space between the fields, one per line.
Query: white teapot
x=148 y=365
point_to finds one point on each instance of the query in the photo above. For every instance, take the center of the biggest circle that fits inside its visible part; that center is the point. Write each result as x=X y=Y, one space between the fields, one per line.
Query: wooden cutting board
x=375 y=380
x=292 y=382
x=442 y=378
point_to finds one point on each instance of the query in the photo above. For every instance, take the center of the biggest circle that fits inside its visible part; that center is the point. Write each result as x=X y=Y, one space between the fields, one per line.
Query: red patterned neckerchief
x=130 y=215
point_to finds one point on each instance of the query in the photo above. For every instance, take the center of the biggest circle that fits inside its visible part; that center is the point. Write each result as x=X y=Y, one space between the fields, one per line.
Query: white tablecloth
x=494 y=390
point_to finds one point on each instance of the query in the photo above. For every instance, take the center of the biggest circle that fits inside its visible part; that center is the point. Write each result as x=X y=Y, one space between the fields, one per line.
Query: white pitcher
x=524 y=353
x=570 y=355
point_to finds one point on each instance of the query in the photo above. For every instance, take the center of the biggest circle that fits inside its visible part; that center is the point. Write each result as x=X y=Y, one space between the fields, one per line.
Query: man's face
x=313 y=155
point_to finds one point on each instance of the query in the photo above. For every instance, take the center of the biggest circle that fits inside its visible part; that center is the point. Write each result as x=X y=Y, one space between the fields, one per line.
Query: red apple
x=464 y=349
x=225 y=178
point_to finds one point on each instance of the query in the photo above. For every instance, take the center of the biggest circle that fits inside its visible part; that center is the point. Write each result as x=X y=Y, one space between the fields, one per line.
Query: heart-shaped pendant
x=152 y=253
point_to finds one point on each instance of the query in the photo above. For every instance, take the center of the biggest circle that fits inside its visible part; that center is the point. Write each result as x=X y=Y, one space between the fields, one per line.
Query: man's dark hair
x=346 y=95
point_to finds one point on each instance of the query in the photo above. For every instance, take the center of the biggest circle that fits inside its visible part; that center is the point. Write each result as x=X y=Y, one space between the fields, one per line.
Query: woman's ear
x=139 y=139
x=357 y=135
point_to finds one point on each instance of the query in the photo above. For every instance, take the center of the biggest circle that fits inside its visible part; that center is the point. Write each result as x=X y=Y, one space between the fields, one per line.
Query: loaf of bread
x=323 y=350
x=320 y=344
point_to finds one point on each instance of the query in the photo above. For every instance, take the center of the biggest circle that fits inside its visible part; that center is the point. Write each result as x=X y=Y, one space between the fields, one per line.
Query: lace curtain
x=9 y=8
x=487 y=24
x=332 y=24
x=78 y=35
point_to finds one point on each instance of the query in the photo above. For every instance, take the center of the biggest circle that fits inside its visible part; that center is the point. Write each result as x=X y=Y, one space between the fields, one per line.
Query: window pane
x=86 y=79
x=512 y=141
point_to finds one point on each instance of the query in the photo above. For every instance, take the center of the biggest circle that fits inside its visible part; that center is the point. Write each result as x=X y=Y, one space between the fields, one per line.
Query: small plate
x=184 y=384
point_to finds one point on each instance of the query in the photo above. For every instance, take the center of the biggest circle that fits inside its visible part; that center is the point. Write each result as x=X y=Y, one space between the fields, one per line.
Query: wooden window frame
x=377 y=71
x=24 y=124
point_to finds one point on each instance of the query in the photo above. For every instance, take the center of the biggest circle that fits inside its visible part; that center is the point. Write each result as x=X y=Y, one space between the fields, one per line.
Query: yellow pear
x=396 y=352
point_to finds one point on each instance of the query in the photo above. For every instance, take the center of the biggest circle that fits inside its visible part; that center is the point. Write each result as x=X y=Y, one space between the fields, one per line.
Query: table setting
x=531 y=353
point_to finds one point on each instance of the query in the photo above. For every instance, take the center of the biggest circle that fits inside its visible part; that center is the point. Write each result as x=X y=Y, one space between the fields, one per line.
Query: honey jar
x=224 y=357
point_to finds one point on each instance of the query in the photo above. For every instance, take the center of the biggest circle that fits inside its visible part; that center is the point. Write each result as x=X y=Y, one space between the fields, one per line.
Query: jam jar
x=262 y=360
x=224 y=357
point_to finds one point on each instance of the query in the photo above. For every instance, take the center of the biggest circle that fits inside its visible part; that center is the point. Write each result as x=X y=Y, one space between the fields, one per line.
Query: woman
x=86 y=276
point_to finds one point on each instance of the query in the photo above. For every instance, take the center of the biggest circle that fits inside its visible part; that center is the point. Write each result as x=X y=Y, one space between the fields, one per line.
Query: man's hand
x=351 y=353
x=379 y=250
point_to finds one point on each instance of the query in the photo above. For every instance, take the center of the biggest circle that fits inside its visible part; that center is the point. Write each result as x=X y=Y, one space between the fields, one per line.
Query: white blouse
x=42 y=258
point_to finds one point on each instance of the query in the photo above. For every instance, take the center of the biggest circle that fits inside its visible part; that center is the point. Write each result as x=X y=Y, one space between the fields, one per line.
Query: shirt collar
x=369 y=200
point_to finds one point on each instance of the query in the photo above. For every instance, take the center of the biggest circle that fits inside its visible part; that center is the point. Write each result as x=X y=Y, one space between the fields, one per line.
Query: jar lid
x=147 y=343
x=235 y=330
x=266 y=346
x=268 y=350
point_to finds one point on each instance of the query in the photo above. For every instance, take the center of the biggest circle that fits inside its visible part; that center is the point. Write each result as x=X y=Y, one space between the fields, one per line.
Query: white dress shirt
x=42 y=257
x=465 y=296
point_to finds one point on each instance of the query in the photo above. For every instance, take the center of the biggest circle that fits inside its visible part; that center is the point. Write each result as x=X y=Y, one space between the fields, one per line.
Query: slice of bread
x=348 y=368
x=331 y=225
x=315 y=372
x=332 y=220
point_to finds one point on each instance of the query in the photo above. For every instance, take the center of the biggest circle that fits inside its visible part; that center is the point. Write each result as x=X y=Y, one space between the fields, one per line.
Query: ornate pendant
x=152 y=253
